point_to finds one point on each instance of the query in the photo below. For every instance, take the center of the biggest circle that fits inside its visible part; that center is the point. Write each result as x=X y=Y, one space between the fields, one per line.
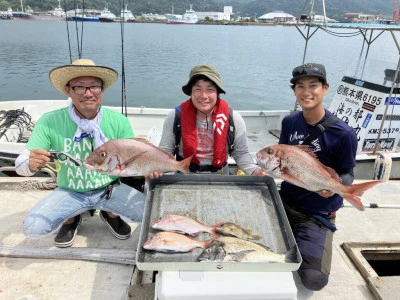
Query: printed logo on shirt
x=220 y=122
x=296 y=137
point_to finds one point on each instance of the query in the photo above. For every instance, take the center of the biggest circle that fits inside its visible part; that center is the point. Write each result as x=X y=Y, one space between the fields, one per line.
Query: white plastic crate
x=194 y=285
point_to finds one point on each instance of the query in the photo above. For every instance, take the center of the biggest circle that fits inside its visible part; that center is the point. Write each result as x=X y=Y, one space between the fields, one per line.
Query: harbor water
x=255 y=62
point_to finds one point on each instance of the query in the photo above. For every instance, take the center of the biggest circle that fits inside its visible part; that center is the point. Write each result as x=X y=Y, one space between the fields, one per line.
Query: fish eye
x=103 y=154
x=270 y=151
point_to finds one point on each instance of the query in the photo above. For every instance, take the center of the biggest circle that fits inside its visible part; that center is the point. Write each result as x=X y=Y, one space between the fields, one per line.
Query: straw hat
x=208 y=71
x=60 y=76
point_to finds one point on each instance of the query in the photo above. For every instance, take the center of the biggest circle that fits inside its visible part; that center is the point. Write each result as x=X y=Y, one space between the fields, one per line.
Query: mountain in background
x=245 y=8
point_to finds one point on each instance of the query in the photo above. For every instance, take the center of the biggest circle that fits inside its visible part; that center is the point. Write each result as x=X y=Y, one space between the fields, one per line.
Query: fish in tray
x=171 y=242
x=184 y=225
x=133 y=157
x=232 y=229
x=300 y=166
x=230 y=249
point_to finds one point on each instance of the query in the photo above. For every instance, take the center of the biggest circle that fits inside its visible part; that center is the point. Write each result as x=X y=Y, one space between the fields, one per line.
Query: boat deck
x=99 y=266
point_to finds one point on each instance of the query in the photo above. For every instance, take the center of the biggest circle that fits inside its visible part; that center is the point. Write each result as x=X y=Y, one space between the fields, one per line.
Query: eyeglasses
x=80 y=90
x=307 y=69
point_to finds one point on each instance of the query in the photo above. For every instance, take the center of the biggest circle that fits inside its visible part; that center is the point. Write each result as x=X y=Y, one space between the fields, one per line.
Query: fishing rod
x=79 y=37
x=123 y=87
x=66 y=22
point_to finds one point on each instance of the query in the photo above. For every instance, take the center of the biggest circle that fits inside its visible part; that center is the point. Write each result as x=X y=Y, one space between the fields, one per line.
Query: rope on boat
x=15 y=119
x=38 y=185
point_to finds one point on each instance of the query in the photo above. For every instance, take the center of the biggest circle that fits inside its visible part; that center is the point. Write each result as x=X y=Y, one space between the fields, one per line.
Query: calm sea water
x=255 y=62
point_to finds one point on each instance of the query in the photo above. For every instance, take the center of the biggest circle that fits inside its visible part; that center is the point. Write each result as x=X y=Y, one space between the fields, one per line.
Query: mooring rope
x=15 y=119
x=37 y=185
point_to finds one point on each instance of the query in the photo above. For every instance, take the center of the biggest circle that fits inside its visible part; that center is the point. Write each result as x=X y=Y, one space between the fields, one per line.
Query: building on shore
x=277 y=16
x=359 y=18
x=216 y=16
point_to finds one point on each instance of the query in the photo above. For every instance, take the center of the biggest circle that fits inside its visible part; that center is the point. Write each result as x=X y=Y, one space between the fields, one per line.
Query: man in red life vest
x=204 y=127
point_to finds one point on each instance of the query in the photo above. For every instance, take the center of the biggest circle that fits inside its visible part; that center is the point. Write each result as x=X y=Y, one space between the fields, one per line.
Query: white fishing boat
x=189 y=17
x=106 y=15
x=58 y=11
x=126 y=15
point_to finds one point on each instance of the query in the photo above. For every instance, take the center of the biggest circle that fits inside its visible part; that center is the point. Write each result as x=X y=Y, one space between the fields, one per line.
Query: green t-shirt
x=55 y=131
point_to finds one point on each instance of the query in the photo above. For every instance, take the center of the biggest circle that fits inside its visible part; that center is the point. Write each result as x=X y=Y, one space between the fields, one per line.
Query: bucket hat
x=208 y=71
x=310 y=70
x=60 y=76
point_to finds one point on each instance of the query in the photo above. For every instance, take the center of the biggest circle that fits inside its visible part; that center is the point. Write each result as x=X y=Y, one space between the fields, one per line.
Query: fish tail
x=353 y=192
x=213 y=229
x=291 y=255
x=184 y=164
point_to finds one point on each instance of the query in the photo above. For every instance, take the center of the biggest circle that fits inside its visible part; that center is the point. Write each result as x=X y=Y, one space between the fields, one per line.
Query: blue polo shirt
x=336 y=147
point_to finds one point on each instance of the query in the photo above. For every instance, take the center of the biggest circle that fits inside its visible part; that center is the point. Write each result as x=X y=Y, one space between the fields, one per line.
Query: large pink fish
x=185 y=225
x=171 y=242
x=299 y=166
x=133 y=157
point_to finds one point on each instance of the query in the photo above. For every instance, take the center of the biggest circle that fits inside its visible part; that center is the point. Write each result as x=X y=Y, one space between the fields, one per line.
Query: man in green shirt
x=76 y=130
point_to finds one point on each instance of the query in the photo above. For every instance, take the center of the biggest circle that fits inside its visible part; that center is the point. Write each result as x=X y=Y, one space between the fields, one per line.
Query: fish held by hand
x=133 y=157
x=300 y=166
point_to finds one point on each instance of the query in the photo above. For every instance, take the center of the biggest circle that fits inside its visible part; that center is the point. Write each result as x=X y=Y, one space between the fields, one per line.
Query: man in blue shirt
x=311 y=214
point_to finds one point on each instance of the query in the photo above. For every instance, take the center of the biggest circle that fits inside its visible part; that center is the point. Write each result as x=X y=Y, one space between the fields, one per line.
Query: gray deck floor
x=86 y=278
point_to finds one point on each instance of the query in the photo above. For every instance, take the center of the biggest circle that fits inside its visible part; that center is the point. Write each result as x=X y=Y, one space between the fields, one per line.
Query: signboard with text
x=362 y=106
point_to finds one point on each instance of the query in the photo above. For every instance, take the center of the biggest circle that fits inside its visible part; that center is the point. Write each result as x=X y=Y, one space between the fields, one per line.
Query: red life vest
x=220 y=118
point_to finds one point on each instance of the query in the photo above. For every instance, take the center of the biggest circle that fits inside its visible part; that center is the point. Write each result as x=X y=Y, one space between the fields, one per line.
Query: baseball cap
x=310 y=70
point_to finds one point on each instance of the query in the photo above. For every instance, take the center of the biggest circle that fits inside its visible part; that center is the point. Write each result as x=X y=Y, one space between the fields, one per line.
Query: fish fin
x=289 y=177
x=184 y=164
x=353 y=192
x=239 y=256
x=291 y=255
x=333 y=173
x=256 y=237
x=307 y=149
x=214 y=231
x=123 y=164
x=252 y=237
x=144 y=141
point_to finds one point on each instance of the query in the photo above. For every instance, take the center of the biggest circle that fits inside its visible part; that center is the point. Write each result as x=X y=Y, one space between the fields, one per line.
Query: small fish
x=171 y=242
x=230 y=249
x=232 y=229
x=185 y=225
x=133 y=157
x=300 y=166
